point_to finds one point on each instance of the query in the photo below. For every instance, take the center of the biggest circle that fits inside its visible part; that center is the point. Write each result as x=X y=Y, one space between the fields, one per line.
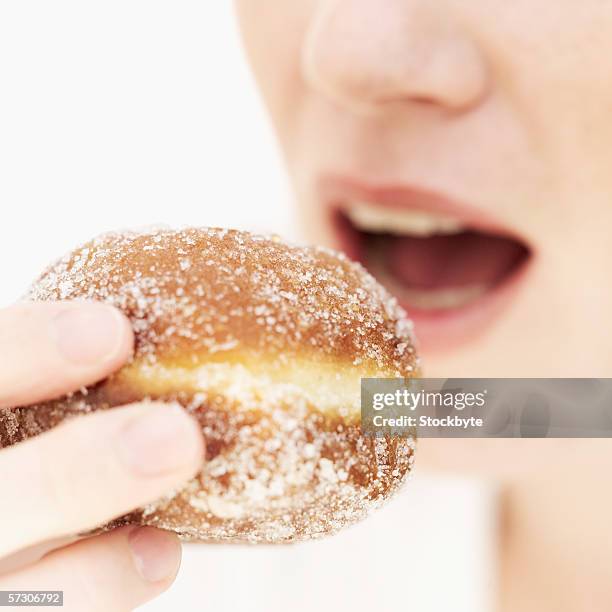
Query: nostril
x=368 y=57
x=423 y=100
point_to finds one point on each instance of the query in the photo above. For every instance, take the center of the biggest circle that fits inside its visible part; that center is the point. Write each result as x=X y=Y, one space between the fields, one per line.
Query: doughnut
x=264 y=343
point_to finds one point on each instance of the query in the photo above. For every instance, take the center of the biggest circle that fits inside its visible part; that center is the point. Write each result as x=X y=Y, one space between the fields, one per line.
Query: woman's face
x=463 y=152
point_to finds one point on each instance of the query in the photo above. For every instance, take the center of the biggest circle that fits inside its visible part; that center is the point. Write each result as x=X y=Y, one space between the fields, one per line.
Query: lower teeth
x=441 y=299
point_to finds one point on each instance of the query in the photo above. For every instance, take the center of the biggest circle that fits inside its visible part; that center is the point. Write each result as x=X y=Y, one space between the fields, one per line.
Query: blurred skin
x=504 y=106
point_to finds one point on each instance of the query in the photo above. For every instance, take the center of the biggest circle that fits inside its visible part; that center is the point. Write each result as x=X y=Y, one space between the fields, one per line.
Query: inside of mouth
x=437 y=272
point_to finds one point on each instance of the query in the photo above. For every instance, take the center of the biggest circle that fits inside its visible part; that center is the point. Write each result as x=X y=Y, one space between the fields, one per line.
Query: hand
x=86 y=471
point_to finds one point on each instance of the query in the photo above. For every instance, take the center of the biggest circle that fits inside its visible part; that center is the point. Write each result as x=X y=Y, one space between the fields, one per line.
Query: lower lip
x=448 y=329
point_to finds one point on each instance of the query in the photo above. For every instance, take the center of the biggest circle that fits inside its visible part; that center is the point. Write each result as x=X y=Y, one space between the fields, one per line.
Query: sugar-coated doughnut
x=265 y=344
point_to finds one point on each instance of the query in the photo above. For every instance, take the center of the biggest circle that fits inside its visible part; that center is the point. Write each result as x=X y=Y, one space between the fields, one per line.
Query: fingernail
x=89 y=333
x=156 y=553
x=162 y=440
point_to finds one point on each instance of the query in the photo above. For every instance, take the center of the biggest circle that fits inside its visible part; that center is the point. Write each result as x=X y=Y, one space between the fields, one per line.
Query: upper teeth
x=373 y=218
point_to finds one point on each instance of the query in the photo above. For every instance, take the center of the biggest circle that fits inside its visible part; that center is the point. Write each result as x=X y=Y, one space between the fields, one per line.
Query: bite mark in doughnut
x=265 y=344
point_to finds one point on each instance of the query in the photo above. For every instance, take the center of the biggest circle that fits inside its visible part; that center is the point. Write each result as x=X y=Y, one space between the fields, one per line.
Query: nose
x=365 y=54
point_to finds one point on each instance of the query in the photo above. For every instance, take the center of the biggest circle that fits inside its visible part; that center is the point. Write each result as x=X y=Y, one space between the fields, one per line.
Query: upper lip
x=339 y=193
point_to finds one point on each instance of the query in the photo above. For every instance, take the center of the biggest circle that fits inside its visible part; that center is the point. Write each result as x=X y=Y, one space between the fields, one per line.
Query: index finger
x=50 y=349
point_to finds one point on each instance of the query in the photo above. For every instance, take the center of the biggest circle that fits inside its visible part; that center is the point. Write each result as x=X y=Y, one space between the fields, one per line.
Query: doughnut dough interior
x=265 y=344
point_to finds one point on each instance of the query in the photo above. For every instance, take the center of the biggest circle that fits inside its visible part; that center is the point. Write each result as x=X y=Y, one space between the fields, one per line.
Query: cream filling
x=331 y=389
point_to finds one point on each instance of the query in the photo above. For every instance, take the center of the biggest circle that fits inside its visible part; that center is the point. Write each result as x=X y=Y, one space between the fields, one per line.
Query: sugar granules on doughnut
x=265 y=344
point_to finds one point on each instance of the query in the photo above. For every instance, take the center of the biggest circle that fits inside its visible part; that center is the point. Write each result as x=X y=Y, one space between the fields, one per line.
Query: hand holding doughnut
x=87 y=471
x=264 y=344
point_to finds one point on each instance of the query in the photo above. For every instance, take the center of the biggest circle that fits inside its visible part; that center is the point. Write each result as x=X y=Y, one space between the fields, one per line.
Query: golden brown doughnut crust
x=264 y=343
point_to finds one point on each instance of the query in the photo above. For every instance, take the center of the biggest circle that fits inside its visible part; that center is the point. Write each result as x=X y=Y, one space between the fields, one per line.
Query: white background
x=127 y=113
x=118 y=114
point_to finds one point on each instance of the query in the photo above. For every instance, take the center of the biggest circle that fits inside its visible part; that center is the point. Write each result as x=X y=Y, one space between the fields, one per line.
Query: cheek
x=272 y=33
x=554 y=69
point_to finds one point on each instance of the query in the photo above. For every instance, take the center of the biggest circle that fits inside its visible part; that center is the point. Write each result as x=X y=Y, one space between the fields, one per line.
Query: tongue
x=457 y=260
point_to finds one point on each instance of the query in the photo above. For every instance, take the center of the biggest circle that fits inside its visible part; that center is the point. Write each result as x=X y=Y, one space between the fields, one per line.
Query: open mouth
x=438 y=264
x=430 y=262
